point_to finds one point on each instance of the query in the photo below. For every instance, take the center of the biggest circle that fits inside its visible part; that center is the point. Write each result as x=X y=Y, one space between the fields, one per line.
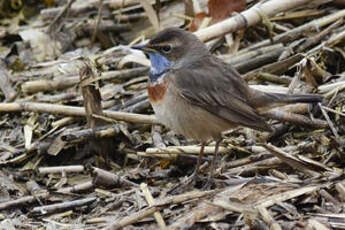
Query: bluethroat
x=199 y=96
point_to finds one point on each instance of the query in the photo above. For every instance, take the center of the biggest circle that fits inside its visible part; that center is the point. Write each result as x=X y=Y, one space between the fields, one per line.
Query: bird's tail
x=265 y=101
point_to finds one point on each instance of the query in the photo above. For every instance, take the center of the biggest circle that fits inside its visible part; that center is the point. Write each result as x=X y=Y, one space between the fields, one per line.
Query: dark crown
x=184 y=44
x=171 y=34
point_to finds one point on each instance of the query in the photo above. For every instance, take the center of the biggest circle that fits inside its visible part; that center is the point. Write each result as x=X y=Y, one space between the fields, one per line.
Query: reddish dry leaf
x=218 y=10
x=194 y=26
x=221 y=9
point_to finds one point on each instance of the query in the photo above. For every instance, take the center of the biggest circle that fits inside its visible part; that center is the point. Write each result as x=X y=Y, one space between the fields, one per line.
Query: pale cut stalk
x=249 y=17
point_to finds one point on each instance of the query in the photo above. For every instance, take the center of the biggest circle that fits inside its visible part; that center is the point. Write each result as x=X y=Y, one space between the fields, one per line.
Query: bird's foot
x=210 y=183
x=186 y=184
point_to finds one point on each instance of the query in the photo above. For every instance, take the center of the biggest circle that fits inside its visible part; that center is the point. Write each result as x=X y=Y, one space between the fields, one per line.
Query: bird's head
x=172 y=47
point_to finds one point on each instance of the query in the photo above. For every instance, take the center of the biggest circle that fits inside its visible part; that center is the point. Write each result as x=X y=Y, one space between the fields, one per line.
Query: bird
x=199 y=96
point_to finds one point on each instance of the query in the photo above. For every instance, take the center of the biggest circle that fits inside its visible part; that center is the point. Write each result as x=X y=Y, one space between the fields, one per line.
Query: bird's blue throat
x=159 y=66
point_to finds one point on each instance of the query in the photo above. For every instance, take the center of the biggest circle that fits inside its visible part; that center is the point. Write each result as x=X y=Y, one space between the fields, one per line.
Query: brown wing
x=218 y=88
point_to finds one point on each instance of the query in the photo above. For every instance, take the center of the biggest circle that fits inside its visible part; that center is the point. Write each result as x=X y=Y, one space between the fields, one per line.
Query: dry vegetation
x=67 y=164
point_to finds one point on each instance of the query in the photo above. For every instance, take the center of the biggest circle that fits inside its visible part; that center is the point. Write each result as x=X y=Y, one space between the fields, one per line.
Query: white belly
x=188 y=120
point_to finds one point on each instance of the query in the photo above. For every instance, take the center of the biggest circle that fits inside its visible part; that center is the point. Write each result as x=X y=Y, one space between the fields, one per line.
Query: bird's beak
x=138 y=47
x=144 y=48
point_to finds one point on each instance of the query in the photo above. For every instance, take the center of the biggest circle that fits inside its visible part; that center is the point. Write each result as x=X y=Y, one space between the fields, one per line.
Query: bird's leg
x=192 y=178
x=197 y=167
x=216 y=149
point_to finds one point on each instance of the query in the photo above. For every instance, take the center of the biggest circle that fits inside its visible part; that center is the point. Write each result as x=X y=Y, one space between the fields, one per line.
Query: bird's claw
x=187 y=183
x=210 y=183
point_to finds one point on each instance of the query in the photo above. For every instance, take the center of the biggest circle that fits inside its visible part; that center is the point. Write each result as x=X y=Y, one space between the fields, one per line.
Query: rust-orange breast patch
x=157 y=91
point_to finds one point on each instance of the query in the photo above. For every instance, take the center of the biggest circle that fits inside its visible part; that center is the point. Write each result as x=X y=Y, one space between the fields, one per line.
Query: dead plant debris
x=80 y=147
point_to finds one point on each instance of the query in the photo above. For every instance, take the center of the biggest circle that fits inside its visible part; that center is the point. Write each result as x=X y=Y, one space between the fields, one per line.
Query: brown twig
x=74 y=111
x=22 y=201
x=297 y=119
x=54 y=208
x=99 y=18
x=55 y=24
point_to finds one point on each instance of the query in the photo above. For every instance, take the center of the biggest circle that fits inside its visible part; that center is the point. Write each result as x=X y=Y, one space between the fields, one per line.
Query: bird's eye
x=166 y=49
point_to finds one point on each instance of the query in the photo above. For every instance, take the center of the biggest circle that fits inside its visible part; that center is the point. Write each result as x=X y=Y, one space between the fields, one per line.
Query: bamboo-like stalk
x=294 y=33
x=249 y=17
x=74 y=111
x=65 y=82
